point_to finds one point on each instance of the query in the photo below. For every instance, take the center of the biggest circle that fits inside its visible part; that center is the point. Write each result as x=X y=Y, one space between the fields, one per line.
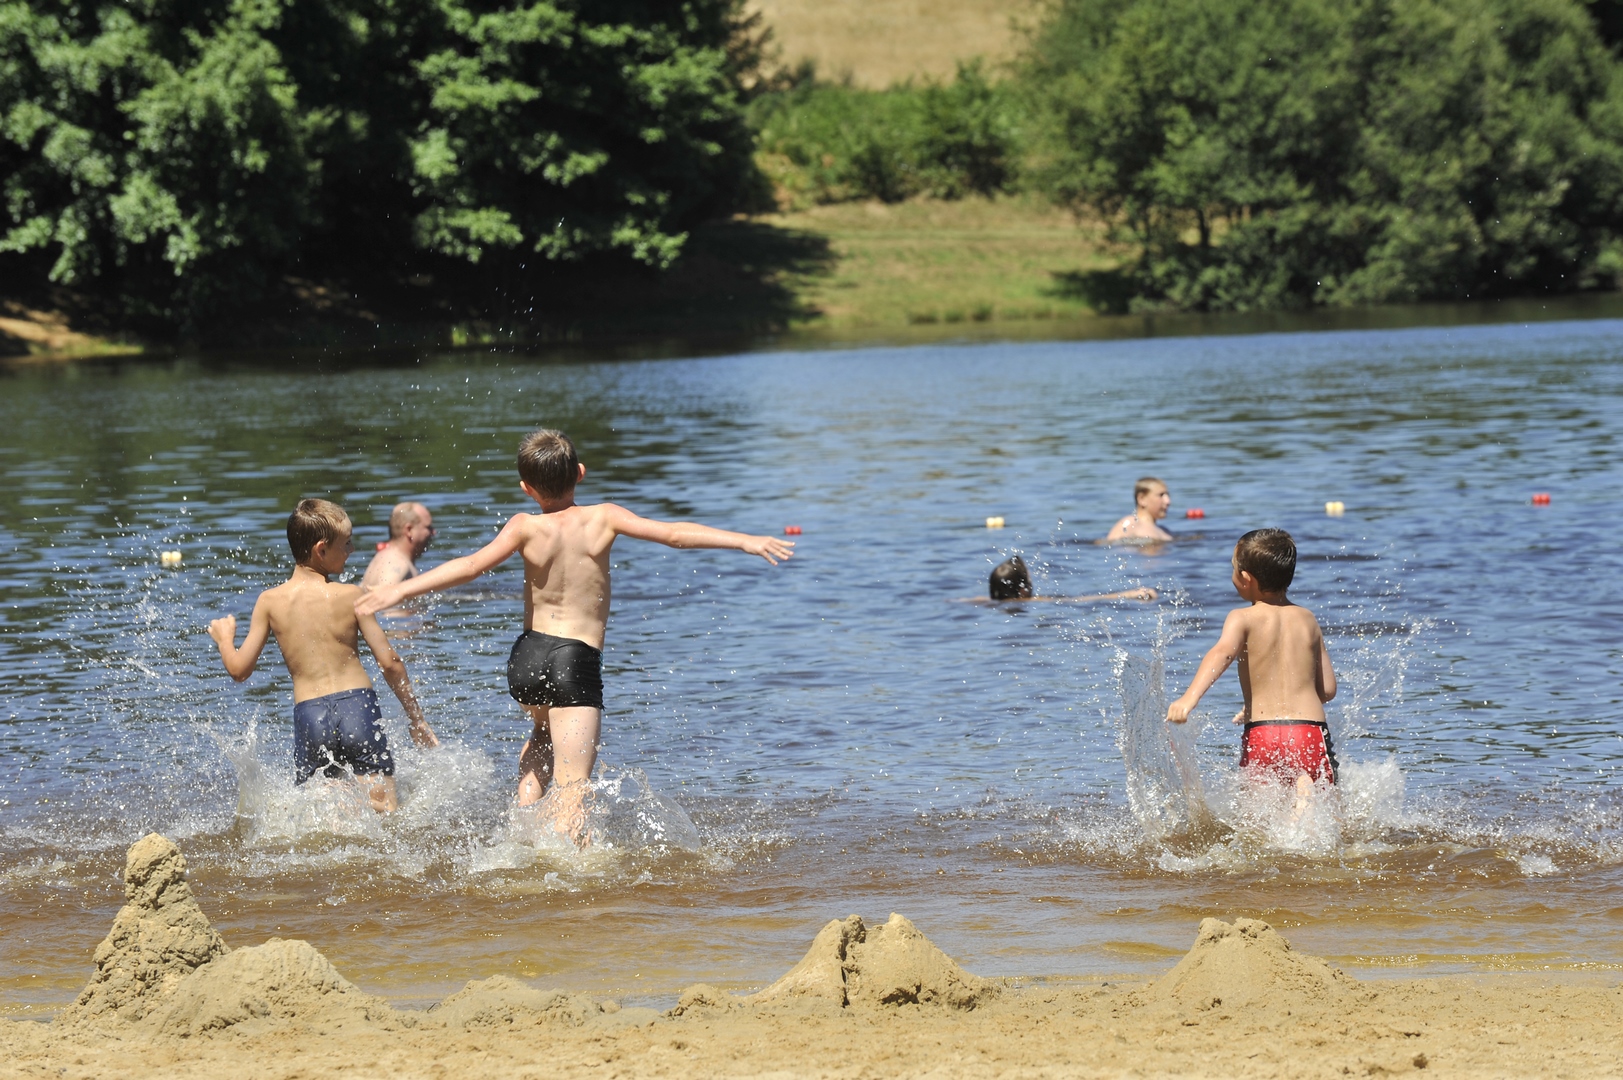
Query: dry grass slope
x=879 y=42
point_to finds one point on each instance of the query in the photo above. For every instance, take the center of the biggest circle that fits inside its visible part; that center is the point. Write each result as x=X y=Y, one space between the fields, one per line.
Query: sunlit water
x=836 y=735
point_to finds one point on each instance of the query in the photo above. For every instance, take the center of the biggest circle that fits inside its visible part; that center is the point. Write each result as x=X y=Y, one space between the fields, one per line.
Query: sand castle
x=163 y=971
x=169 y=999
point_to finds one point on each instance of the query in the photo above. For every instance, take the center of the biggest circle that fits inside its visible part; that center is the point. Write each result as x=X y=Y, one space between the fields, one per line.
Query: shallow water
x=836 y=735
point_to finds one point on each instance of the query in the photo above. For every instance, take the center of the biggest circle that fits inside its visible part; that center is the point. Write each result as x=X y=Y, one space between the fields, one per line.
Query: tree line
x=186 y=159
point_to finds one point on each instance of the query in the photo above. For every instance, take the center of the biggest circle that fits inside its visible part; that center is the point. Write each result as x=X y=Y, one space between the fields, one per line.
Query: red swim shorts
x=1288 y=747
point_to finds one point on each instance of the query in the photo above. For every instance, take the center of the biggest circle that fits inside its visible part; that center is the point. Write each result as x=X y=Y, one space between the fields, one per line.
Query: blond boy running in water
x=337 y=724
x=555 y=668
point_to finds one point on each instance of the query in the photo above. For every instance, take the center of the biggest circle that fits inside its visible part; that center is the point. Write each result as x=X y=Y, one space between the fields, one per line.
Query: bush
x=824 y=143
x=1274 y=153
x=183 y=157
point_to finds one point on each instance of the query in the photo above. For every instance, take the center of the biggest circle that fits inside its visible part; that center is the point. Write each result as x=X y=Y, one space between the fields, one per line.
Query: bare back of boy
x=318 y=632
x=1282 y=661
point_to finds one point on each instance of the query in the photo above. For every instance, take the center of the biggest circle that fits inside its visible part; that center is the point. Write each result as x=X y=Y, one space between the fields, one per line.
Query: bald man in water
x=411 y=530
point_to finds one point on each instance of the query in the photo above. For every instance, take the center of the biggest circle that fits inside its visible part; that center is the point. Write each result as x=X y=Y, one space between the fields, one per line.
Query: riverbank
x=920 y=272
x=170 y=998
x=1501 y=1026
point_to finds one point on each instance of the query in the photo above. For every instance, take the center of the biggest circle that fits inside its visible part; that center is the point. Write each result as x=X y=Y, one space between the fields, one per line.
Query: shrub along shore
x=538 y=172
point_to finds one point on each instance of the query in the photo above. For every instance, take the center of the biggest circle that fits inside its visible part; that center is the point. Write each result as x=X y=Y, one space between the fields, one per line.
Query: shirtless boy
x=1285 y=672
x=1143 y=525
x=556 y=667
x=336 y=719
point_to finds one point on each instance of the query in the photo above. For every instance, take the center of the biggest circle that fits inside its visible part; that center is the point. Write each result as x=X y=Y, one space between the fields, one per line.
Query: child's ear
x=580 y=475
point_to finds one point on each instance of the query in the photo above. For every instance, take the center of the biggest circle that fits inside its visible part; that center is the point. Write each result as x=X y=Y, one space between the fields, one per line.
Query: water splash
x=1164 y=785
x=623 y=814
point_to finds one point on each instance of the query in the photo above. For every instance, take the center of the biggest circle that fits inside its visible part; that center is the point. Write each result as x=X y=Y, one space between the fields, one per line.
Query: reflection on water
x=784 y=746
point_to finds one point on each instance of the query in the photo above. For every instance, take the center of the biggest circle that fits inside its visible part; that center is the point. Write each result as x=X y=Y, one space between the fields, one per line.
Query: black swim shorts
x=339 y=731
x=557 y=672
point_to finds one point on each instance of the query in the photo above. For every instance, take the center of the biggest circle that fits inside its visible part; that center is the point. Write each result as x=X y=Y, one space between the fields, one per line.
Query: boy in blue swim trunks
x=336 y=719
x=555 y=668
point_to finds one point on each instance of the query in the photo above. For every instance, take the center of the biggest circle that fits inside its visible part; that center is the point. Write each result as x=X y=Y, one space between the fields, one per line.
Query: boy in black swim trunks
x=336 y=718
x=555 y=668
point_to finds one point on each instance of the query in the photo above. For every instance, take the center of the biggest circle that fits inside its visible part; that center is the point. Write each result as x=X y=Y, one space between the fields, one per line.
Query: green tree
x=154 y=149
x=185 y=156
x=1289 y=152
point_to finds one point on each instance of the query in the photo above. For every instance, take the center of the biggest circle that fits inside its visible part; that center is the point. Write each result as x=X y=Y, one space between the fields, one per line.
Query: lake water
x=842 y=735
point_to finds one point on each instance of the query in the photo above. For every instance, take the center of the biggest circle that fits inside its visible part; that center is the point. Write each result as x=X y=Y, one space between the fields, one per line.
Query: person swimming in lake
x=1011 y=582
x=1285 y=672
x=1143 y=526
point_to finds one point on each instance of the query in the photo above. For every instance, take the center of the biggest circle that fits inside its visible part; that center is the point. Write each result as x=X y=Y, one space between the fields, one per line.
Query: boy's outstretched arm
x=457 y=571
x=239 y=663
x=394 y=673
x=1216 y=661
x=686 y=534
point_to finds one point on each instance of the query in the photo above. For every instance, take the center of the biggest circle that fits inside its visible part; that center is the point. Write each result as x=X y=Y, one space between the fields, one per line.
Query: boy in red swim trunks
x=556 y=667
x=1285 y=672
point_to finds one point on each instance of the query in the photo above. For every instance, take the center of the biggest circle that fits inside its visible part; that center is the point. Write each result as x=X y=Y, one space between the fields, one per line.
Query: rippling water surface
x=784 y=746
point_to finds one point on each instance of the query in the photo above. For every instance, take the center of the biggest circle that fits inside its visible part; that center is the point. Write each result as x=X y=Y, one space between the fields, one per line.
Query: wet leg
x=572 y=735
x=535 y=761
x=379 y=791
x=1304 y=796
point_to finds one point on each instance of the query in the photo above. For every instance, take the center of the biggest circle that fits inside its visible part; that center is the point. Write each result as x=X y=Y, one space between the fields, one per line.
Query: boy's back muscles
x=566 y=571
x=317 y=630
x=1280 y=665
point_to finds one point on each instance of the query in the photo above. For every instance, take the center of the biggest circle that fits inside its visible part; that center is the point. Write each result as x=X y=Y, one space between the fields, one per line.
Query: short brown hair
x=1269 y=555
x=547 y=462
x=313 y=521
x=1143 y=487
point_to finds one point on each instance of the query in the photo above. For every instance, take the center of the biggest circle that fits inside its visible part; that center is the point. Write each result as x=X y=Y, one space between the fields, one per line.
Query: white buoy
x=170 y=558
x=1335 y=509
x=994 y=523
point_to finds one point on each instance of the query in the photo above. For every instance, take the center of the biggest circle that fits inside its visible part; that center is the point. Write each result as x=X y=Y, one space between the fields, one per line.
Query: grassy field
x=875 y=43
x=930 y=262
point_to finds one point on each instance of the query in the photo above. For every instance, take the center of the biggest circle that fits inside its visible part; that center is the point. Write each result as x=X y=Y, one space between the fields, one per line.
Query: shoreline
x=462 y=340
x=1484 y=1025
x=169 y=997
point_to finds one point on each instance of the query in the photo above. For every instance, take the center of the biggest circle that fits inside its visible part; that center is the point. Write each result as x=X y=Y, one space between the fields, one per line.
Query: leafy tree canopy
x=184 y=156
x=1264 y=153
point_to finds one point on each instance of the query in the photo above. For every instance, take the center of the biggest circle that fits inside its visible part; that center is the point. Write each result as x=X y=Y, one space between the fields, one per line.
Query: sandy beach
x=170 y=998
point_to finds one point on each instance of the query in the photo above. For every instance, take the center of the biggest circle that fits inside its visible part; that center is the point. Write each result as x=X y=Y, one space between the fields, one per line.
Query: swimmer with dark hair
x=1143 y=526
x=1011 y=583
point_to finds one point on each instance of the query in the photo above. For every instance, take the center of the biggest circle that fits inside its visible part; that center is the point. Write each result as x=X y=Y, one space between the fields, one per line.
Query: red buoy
x=1541 y=498
x=1194 y=512
x=791 y=530
x=382 y=544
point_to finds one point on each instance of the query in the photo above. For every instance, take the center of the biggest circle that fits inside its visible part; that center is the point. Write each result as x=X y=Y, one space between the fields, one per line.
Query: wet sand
x=170 y=998
x=1503 y=1025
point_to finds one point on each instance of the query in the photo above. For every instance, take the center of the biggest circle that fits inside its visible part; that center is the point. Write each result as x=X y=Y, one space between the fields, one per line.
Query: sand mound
x=275 y=982
x=1247 y=966
x=850 y=965
x=159 y=937
x=500 y=1002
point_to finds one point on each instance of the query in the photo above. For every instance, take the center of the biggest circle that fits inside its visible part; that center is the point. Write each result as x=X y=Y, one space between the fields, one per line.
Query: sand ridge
x=168 y=999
